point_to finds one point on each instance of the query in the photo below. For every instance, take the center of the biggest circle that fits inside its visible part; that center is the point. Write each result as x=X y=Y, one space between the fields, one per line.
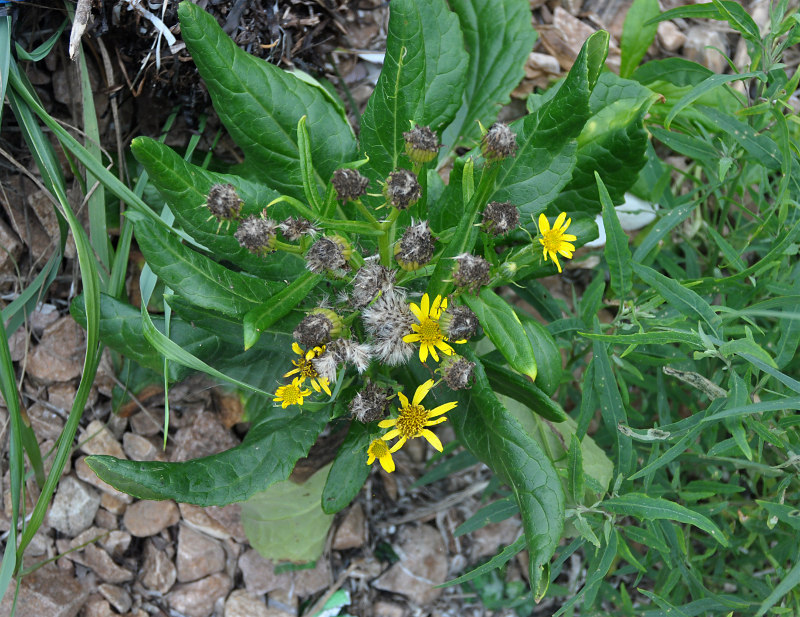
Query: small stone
x=422 y=566
x=17 y=342
x=147 y=518
x=197 y=599
x=542 y=62
x=221 y=522
x=96 y=559
x=309 y=582
x=159 y=571
x=105 y=519
x=97 y=606
x=46 y=592
x=204 y=436
x=387 y=609
x=12 y=249
x=43 y=316
x=47 y=424
x=145 y=423
x=283 y=602
x=139 y=448
x=117 y=596
x=198 y=555
x=74 y=507
x=670 y=36
x=61 y=395
x=97 y=439
x=59 y=354
x=114 y=505
x=488 y=539
x=242 y=603
x=706 y=47
x=116 y=543
x=352 y=533
x=86 y=474
x=259 y=574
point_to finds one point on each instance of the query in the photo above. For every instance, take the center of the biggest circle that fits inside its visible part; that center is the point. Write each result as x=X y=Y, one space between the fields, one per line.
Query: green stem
x=387 y=239
x=367 y=214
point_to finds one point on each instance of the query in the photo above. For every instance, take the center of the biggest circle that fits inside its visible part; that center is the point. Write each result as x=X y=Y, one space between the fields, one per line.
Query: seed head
x=349 y=184
x=388 y=320
x=257 y=234
x=500 y=217
x=415 y=248
x=422 y=145
x=294 y=228
x=458 y=373
x=317 y=328
x=369 y=281
x=371 y=403
x=329 y=255
x=223 y=202
x=402 y=189
x=341 y=351
x=499 y=142
x=471 y=272
x=458 y=322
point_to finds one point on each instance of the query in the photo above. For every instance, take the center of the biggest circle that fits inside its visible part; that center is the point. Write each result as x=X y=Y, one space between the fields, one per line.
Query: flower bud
x=458 y=373
x=317 y=328
x=458 y=323
x=257 y=234
x=471 y=272
x=223 y=202
x=402 y=189
x=500 y=217
x=349 y=184
x=422 y=145
x=498 y=142
x=415 y=248
x=371 y=403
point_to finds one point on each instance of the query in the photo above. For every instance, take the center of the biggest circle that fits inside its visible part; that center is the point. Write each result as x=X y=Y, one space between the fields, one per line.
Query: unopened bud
x=415 y=248
x=329 y=255
x=317 y=328
x=402 y=189
x=499 y=142
x=422 y=145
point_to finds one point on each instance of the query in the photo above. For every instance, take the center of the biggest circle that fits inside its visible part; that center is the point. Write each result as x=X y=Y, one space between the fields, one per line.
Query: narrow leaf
x=636 y=36
x=617 y=253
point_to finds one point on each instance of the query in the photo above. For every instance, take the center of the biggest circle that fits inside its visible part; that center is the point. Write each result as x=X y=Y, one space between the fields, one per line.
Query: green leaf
x=707 y=85
x=547 y=354
x=636 y=36
x=504 y=329
x=267 y=455
x=286 y=521
x=685 y=144
x=503 y=557
x=655 y=508
x=612 y=408
x=487 y=430
x=683 y=300
x=421 y=81
x=499 y=36
x=648 y=338
x=197 y=278
x=349 y=470
x=546 y=138
x=260 y=105
x=789 y=582
x=576 y=481
x=760 y=146
x=790 y=402
x=185 y=187
x=281 y=304
x=616 y=251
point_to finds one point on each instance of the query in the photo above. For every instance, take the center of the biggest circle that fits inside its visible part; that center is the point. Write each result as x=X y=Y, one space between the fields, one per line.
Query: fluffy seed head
x=223 y=202
x=402 y=189
x=415 y=248
x=499 y=142
x=500 y=217
x=422 y=144
x=369 y=281
x=370 y=403
x=340 y=351
x=257 y=234
x=294 y=228
x=458 y=322
x=388 y=320
x=458 y=373
x=349 y=184
x=471 y=271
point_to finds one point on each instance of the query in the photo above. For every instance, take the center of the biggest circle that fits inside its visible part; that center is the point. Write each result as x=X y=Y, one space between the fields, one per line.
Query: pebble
x=147 y=518
x=197 y=599
x=259 y=574
x=74 y=507
x=97 y=606
x=198 y=555
x=61 y=395
x=145 y=423
x=117 y=596
x=97 y=560
x=105 y=519
x=698 y=47
x=488 y=539
x=670 y=36
x=221 y=522
x=48 y=592
x=242 y=603
x=206 y=435
x=140 y=448
x=116 y=543
x=387 y=609
x=46 y=424
x=352 y=532
x=159 y=573
x=115 y=505
x=422 y=565
x=97 y=439
x=59 y=355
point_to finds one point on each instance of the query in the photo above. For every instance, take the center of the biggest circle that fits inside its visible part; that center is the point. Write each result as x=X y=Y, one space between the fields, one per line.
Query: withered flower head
x=257 y=234
x=349 y=184
x=370 y=403
x=369 y=281
x=388 y=320
x=317 y=328
x=500 y=217
x=294 y=228
x=499 y=142
x=422 y=145
x=402 y=189
x=329 y=254
x=458 y=373
x=471 y=271
x=458 y=322
x=415 y=248
x=223 y=202
x=341 y=351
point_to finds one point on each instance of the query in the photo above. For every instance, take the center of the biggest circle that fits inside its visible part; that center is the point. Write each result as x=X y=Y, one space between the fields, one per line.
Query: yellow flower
x=554 y=240
x=291 y=394
x=414 y=419
x=379 y=450
x=305 y=367
x=427 y=332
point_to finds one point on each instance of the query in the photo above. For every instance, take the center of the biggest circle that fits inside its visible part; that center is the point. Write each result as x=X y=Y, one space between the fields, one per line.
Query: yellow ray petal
x=560 y=220
x=403 y=400
x=387 y=462
x=398 y=445
x=387 y=422
x=544 y=224
x=391 y=435
x=437 y=411
x=425 y=305
x=432 y=439
x=422 y=392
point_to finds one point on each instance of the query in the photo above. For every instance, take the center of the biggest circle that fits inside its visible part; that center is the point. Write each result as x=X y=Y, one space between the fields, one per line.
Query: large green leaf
x=493 y=435
x=267 y=455
x=260 y=105
x=349 y=470
x=197 y=278
x=547 y=138
x=185 y=188
x=499 y=36
x=421 y=80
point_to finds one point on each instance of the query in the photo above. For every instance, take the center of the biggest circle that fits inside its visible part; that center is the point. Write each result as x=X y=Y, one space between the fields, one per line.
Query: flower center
x=306 y=368
x=429 y=331
x=378 y=448
x=552 y=240
x=412 y=420
x=291 y=394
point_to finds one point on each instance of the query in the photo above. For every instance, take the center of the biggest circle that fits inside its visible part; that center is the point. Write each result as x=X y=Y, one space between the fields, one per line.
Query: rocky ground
x=108 y=554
